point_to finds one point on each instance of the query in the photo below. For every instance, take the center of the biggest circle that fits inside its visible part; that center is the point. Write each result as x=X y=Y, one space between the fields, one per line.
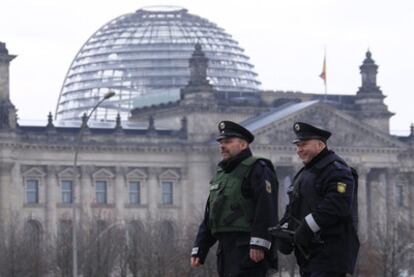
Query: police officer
x=242 y=205
x=322 y=209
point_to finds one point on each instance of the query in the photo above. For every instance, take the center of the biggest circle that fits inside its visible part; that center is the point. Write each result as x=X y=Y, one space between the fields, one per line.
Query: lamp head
x=108 y=95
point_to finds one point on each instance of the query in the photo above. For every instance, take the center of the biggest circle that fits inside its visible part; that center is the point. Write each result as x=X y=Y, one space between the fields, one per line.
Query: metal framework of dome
x=144 y=58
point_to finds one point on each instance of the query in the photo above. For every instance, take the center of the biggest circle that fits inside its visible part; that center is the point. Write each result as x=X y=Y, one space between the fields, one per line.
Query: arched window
x=138 y=242
x=65 y=229
x=101 y=225
x=33 y=232
x=135 y=227
x=136 y=234
x=167 y=231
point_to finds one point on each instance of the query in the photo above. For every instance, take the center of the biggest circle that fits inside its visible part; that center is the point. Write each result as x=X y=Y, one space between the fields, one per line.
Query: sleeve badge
x=268 y=186
x=341 y=187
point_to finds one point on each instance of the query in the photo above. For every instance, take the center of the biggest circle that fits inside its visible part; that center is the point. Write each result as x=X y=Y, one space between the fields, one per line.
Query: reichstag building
x=149 y=151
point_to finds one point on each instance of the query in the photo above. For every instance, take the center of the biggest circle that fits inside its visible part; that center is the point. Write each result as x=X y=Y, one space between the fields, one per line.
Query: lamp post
x=77 y=145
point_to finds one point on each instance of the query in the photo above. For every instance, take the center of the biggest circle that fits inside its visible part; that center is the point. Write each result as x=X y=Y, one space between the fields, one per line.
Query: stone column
x=51 y=198
x=185 y=205
x=391 y=180
x=85 y=193
x=363 y=220
x=17 y=194
x=377 y=181
x=119 y=192
x=153 y=193
x=382 y=198
x=5 y=191
x=411 y=200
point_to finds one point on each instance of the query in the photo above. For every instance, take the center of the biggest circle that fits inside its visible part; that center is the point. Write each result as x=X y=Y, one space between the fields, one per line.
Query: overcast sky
x=284 y=39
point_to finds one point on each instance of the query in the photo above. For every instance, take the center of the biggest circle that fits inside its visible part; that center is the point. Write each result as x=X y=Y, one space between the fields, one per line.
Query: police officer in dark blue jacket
x=241 y=206
x=322 y=209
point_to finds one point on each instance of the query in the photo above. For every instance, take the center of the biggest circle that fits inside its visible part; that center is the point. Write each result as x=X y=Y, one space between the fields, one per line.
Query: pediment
x=137 y=174
x=347 y=131
x=103 y=174
x=169 y=175
x=34 y=172
x=66 y=173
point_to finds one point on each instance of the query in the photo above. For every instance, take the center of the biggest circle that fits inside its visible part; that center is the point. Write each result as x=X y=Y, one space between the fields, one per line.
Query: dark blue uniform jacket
x=327 y=191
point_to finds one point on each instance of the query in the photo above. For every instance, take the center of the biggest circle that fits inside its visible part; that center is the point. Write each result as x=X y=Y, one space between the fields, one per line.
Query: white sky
x=284 y=39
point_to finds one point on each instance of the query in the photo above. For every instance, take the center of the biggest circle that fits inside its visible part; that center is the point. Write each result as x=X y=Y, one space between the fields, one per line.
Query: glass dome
x=144 y=58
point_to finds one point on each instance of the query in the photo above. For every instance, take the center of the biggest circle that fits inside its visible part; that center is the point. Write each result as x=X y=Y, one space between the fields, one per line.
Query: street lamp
x=77 y=145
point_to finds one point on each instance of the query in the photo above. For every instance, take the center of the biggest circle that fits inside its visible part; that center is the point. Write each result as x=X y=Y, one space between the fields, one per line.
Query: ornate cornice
x=342 y=149
x=181 y=147
x=98 y=147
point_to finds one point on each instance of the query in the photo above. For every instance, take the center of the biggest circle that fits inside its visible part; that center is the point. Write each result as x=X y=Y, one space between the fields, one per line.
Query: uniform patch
x=268 y=186
x=341 y=187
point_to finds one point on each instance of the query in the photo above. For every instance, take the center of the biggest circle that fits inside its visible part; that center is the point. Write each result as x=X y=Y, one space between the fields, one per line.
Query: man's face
x=230 y=147
x=309 y=149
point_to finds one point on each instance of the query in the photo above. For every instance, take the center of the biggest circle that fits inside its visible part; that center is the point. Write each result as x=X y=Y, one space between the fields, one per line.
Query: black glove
x=303 y=235
x=284 y=246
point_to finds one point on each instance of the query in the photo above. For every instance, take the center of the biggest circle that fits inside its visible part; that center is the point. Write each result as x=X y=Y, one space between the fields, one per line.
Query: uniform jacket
x=256 y=187
x=327 y=202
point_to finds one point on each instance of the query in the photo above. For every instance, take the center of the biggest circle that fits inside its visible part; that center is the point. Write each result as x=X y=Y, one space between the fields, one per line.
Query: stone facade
x=161 y=170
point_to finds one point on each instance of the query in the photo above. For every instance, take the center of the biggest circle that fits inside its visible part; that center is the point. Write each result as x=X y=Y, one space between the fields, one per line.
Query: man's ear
x=322 y=145
x=244 y=144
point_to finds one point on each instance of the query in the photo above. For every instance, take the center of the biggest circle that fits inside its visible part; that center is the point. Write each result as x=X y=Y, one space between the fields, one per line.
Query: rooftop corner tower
x=143 y=57
x=370 y=99
x=7 y=109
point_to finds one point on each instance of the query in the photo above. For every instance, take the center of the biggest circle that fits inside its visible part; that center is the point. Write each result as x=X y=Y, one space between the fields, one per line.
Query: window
x=101 y=192
x=32 y=191
x=167 y=192
x=134 y=192
x=67 y=191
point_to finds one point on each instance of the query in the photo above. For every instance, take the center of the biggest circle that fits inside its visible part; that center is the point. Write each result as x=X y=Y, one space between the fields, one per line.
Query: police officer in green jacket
x=241 y=206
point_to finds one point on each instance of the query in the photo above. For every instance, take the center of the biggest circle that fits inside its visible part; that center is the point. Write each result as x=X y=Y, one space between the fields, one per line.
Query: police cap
x=304 y=131
x=229 y=129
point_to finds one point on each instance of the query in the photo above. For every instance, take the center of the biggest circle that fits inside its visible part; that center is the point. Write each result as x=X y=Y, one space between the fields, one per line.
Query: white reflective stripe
x=194 y=251
x=260 y=242
x=312 y=223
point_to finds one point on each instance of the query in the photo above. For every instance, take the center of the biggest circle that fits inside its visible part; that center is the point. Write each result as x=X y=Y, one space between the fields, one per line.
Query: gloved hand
x=303 y=235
